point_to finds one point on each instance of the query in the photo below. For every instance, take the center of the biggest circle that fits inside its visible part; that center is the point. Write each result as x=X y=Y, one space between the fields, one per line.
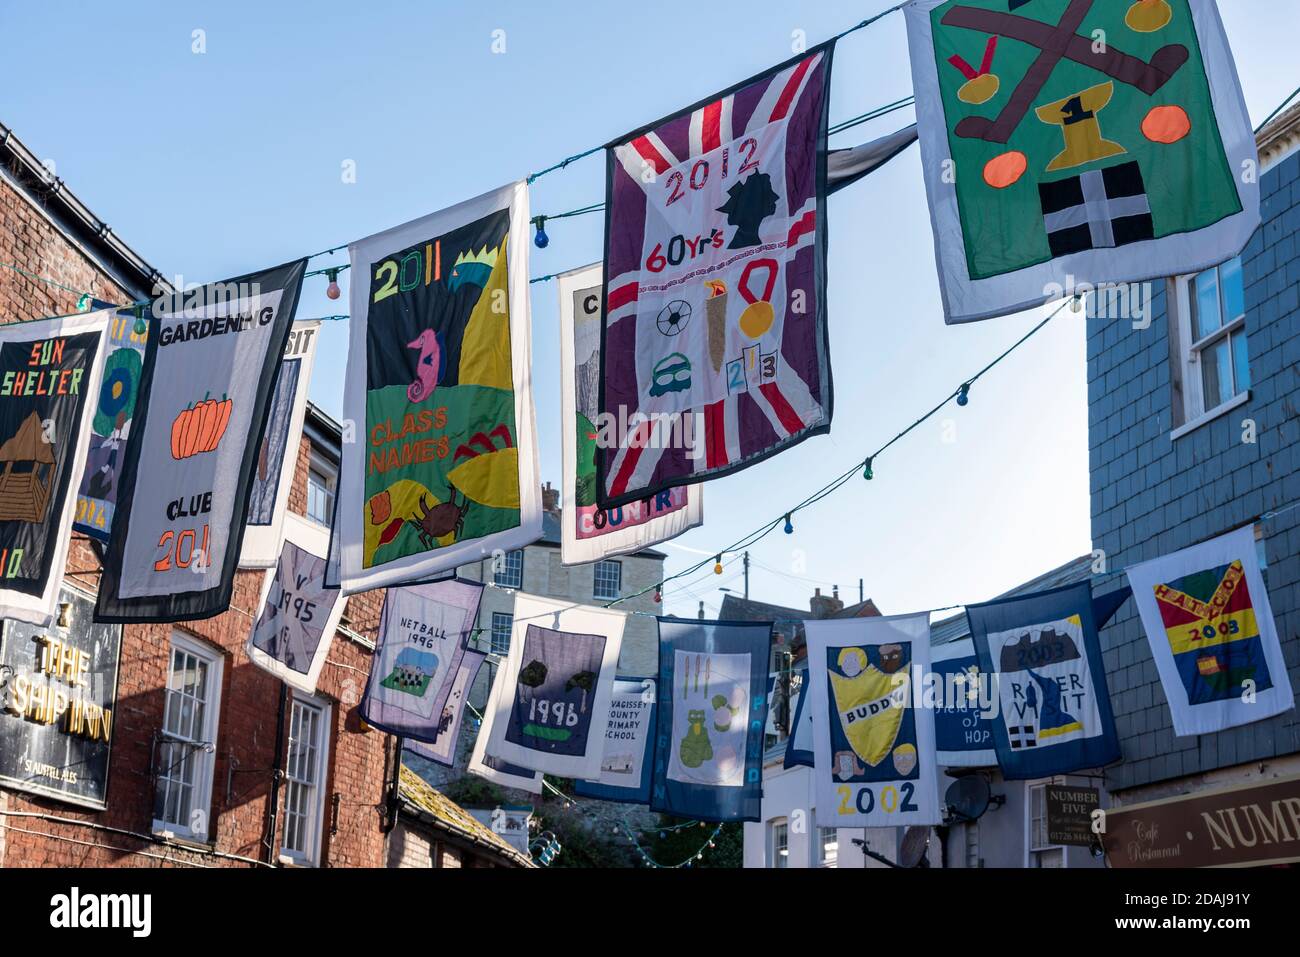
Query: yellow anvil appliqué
x=870 y=705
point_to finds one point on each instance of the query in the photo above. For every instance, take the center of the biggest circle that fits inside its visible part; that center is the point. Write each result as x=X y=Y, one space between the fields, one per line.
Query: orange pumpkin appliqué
x=200 y=427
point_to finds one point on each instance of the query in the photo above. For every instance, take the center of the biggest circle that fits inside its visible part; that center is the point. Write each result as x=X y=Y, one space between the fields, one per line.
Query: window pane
x=511 y=572
x=1206 y=304
x=608 y=579
x=501 y=626
x=1240 y=361
x=1216 y=374
x=1234 y=293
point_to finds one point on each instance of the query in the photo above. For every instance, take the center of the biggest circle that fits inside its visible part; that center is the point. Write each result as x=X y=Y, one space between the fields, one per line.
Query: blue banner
x=712 y=712
x=1053 y=705
x=963 y=732
x=799 y=746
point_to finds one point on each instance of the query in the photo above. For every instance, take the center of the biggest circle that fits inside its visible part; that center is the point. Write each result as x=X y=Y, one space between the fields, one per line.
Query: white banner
x=299 y=615
x=443 y=468
x=874 y=748
x=268 y=498
x=590 y=533
x=1206 y=614
x=550 y=703
x=49 y=379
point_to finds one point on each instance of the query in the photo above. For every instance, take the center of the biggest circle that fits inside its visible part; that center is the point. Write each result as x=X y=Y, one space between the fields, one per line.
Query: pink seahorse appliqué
x=428 y=368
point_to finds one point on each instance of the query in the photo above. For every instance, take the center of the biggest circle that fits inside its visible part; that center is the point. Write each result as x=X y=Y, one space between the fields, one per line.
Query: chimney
x=550 y=498
x=823 y=606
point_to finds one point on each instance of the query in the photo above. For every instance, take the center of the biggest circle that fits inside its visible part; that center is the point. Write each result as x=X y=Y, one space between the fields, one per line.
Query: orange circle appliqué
x=1004 y=170
x=1166 y=124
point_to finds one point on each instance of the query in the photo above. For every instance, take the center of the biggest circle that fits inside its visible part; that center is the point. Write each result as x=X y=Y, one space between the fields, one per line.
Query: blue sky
x=218 y=163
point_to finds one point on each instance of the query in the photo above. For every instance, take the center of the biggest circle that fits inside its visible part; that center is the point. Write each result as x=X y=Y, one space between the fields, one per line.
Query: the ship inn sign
x=58 y=693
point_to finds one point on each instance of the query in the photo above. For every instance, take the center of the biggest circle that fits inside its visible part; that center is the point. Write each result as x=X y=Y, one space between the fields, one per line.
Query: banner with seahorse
x=442 y=465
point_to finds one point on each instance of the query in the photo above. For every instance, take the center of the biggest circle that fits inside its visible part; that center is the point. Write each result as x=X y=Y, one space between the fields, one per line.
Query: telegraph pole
x=746 y=575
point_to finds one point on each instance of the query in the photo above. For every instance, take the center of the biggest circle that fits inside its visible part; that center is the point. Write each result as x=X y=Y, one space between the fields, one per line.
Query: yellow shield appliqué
x=870 y=705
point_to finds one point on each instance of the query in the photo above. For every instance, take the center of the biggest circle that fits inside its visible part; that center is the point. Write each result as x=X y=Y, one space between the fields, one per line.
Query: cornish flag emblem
x=1098 y=209
x=1022 y=736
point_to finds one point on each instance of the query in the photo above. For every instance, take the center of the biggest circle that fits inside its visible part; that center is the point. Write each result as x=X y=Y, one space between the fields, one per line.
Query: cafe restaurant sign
x=58 y=691
x=1248 y=825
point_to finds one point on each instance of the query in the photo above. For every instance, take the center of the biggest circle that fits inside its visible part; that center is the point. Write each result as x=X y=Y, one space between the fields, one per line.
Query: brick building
x=1193 y=425
x=211 y=761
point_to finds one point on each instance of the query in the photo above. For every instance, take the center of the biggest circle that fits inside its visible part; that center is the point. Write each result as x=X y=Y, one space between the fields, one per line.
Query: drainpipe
x=394 y=788
x=276 y=774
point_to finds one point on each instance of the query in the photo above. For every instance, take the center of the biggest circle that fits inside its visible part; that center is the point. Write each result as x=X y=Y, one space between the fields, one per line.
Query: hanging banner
x=1043 y=657
x=444 y=469
x=277 y=457
x=49 y=378
x=874 y=745
x=590 y=533
x=205 y=393
x=1056 y=162
x=551 y=701
x=1207 y=617
x=443 y=748
x=963 y=729
x=111 y=426
x=714 y=354
x=423 y=633
x=712 y=710
x=799 y=746
x=299 y=613
x=628 y=760
x=494 y=769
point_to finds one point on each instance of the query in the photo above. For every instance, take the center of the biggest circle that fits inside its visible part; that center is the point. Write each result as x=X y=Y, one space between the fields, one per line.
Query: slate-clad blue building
x=1193 y=428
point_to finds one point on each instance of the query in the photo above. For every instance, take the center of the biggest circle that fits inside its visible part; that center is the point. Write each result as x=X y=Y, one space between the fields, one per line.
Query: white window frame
x=971 y=843
x=329 y=472
x=1030 y=848
x=1193 y=414
x=314 y=814
x=775 y=826
x=596 y=580
x=822 y=859
x=492 y=633
x=504 y=577
x=205 y=756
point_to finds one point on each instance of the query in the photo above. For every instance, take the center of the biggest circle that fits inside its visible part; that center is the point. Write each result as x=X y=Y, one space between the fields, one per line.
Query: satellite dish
x=968 y=797
x=912 y=850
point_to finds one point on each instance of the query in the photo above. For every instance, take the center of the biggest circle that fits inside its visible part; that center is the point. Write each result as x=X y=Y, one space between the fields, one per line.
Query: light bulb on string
x=717 y=565
x=659 y=596
x=541 y=240
x=789 y=527
x=963 y=394
x=866 y=471
x=83 y=304
x=332 y=291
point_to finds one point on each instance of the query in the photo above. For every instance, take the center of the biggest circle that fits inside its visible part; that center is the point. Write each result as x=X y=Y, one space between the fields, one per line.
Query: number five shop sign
x=58 y=690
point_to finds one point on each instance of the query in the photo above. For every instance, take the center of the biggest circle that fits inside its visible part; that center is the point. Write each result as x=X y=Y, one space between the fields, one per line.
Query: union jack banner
x=714 y=351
